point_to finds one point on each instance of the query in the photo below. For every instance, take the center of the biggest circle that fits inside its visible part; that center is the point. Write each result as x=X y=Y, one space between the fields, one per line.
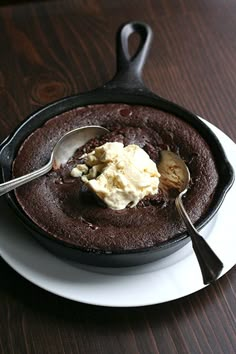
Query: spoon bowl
x=63 y=150
x=175 y=176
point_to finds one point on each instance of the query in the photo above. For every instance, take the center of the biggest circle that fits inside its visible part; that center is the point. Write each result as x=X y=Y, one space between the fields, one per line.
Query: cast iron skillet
x=126 y=87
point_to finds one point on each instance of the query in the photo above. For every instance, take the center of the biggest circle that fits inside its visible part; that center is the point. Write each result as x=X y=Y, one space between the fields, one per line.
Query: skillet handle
x=129 y=69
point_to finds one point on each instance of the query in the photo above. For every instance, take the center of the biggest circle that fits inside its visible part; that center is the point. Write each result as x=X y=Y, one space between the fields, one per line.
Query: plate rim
x=26 y=274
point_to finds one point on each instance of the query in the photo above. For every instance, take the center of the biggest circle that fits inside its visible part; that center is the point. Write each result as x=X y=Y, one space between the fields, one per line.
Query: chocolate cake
x=63 y=206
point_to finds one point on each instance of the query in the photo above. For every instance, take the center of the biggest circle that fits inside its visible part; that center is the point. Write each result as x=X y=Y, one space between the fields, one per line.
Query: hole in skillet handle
x=129 y=68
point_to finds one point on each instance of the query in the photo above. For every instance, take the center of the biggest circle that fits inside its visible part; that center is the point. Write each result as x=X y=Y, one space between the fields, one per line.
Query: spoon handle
x=17 y=182
x=211 y=266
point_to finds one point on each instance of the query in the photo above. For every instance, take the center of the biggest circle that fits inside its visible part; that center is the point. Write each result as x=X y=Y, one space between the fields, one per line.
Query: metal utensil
x=175 y=176
x=63 y=150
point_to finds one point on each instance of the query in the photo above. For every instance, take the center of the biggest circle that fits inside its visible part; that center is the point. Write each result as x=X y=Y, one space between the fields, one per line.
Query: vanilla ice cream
x=120 y=176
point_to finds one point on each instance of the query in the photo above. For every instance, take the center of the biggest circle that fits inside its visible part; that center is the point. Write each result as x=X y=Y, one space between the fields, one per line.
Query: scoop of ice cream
x=120 y=176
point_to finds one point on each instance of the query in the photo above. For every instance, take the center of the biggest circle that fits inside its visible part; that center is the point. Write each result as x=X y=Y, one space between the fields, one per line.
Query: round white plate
x=164 y=280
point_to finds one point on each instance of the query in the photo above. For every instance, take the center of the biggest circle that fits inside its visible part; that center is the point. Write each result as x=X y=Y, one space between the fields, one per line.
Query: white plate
x=168 y=279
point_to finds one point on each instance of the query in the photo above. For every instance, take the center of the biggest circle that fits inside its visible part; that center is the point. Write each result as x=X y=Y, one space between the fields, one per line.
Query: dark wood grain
x=49 y=50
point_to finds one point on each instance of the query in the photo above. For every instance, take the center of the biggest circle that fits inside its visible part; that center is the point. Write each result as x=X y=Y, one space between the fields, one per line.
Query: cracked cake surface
x=63 y=206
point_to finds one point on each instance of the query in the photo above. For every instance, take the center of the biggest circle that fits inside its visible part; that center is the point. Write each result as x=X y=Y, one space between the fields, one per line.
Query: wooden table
x=52 y=49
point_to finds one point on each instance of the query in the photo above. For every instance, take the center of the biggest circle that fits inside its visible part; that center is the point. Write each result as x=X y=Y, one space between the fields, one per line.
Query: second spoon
x=175 y=175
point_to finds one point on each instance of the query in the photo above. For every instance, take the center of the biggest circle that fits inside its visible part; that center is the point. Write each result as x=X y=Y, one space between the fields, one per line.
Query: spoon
x=63 y=150
x=175 y=176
